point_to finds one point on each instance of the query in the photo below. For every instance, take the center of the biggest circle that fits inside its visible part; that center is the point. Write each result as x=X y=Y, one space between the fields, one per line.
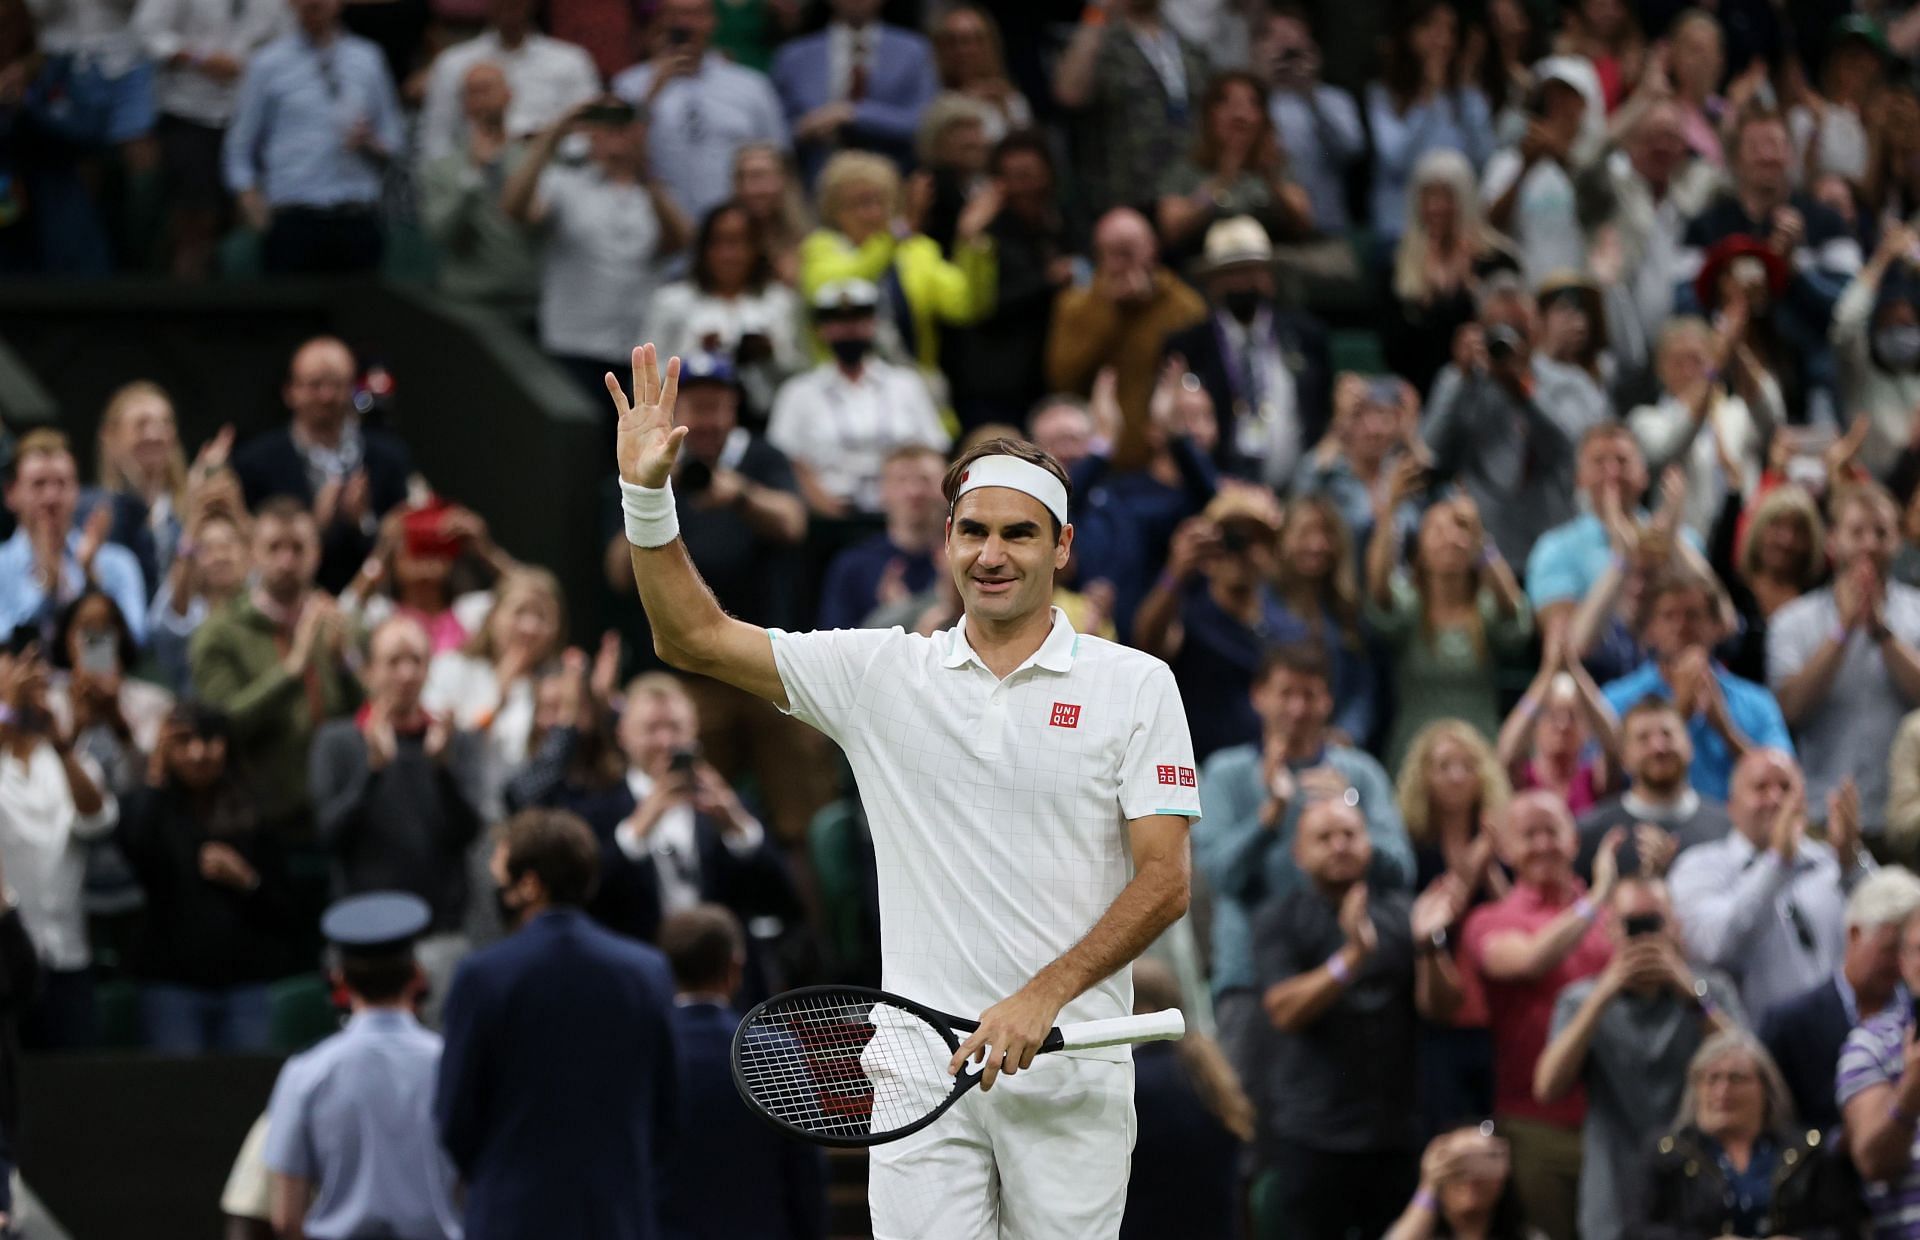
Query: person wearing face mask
x=1876 y=342
x=1266 y=366
x=557 y=1093
x=840 y=421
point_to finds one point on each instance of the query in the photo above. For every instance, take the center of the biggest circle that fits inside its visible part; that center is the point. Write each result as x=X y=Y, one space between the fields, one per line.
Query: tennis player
x=1029 y=791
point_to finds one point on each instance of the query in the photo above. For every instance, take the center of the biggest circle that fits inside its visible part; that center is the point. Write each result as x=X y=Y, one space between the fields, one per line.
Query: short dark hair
x=1678 y=579
x=702 y=943
x=1023 y=141
x=1302 y=658
x=379 y=979
x=1651 y=704
x=283 y=508
x=1017 y=448
x=558 y=848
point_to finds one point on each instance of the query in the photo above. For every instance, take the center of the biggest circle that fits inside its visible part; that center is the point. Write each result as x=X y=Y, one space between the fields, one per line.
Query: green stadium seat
x=1358 y=351
x=300 y=1012
x=830 y=845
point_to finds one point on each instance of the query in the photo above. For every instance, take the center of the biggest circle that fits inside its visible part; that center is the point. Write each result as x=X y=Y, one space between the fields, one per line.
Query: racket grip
x=1164 y=1026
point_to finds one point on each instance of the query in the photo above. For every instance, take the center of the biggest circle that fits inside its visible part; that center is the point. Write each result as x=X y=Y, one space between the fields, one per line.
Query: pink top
x=1521 y=1013
x=1582 y=794
x=444 y=630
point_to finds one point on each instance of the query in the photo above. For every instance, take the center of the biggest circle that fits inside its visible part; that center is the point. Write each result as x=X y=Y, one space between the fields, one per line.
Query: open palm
x=647 y=442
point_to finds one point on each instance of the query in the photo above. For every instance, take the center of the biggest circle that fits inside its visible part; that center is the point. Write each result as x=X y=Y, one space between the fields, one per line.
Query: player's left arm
x=1157 y=897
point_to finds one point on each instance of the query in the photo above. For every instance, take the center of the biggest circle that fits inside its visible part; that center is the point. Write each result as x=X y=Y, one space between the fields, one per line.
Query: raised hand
x=647 y=443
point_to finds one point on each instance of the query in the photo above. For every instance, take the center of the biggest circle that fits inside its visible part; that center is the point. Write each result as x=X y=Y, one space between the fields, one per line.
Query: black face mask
x=1242 y=304
x=509 y=911
x=850 y=352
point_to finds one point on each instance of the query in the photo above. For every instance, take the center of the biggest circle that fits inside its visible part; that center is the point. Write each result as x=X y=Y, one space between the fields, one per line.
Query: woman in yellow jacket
x=862 y=238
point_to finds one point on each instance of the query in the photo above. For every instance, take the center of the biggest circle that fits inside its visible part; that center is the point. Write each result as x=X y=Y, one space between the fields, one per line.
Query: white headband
x=1016 y=475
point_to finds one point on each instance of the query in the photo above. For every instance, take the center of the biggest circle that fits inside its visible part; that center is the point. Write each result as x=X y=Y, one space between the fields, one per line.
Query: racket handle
x=1165 y=1026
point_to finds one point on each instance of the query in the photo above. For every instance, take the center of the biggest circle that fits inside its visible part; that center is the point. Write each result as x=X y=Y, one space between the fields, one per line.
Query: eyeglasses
x=1711 y=1079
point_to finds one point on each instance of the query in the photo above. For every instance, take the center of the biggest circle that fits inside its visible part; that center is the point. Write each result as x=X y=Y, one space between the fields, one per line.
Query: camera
x=1503 y=344
x=681 y=763
x=694 y=477
x=1637 y=924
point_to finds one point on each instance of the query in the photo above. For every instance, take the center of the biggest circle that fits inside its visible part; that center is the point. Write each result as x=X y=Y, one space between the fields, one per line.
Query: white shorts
x=1045 y=1156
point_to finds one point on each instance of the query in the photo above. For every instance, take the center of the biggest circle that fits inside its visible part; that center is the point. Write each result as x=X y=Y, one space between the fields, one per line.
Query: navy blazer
x=1804 y=1035
x=269 y=465
x=732 y=1175
x=1303 y=348
x=901 y=81
x=558 y=1092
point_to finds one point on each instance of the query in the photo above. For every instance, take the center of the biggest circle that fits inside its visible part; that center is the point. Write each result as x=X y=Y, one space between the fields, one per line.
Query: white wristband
x=650 y=515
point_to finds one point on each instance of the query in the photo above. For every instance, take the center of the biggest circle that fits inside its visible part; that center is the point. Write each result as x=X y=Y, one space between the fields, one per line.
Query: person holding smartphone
x=52 y=803
x=1629 y=1035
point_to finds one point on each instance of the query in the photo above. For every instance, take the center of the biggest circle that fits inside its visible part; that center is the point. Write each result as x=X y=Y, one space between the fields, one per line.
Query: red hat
x=1706 y=285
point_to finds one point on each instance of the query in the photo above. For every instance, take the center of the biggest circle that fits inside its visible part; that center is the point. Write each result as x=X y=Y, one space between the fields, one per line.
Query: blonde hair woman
x=1783 y=548
x=870 y=228
x=1445 y=245
x=488 y=684
x=144 y=474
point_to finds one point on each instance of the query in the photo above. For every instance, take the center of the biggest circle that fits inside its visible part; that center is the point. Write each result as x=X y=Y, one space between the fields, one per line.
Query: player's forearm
x=1155 y=899
x=680 y=607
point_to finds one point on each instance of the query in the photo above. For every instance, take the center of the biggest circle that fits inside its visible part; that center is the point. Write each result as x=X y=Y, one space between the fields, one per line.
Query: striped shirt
x=1872 y=1056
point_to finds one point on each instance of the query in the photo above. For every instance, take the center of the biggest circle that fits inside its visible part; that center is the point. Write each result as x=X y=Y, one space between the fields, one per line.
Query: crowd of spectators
x=1505 y=423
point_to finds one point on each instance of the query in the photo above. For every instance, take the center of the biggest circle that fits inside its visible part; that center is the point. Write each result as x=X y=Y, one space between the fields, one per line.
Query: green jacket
x=235 y=659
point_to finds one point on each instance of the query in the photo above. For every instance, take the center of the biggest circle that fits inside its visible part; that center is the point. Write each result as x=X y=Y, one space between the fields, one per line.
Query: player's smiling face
x=1003 y=554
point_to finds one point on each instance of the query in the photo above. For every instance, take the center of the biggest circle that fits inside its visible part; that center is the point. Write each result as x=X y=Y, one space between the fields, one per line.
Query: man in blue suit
x=558 y=1092
x=728 y=1148
x=1805 y=1033
x=857 y=84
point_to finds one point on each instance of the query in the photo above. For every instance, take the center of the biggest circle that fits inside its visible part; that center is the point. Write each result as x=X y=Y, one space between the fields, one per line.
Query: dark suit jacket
x=1804 y=1035
x=1303 y=347
x=558 y=1092
x=270 y=465
x=733 y=1176
x=901 y=82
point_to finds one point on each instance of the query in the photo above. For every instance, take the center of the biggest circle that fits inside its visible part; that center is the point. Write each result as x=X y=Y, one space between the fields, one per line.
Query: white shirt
x=466 y=688
x=1663 y=430
x=101 y=31
x=203 y=27
x=682 y=318
x=1544 y=221
x=999 y=808
x=675 y=847
x=841 y=48
x=843 y=429
x=699 y=121
x=597 y=272
x=1776 y=929
x=547 y=76
x=43 y=846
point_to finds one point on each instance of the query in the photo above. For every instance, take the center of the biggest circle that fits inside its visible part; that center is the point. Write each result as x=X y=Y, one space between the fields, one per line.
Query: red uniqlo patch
x=1186 y=777
x=1065 y=715
x=1167 y=774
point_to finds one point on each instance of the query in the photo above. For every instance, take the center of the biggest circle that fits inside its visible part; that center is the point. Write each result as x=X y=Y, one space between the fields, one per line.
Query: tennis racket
x=849 y=1066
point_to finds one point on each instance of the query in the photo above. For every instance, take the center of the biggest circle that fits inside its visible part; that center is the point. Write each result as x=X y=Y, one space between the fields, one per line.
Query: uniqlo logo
x=1065 y=715
x=1186 y=777
x=1168 y=775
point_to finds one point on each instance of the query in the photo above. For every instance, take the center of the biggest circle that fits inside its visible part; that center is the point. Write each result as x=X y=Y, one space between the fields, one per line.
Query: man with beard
x=1663 y=811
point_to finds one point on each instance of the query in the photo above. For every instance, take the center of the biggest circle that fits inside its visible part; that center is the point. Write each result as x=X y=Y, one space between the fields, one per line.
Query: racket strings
x=843 y=1066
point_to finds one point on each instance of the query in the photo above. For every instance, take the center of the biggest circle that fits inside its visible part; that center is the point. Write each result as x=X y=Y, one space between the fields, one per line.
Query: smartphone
x=1637 y=924
x=425 y=530
x=612 y=113
x=682 y=761
x=100 y=654
x=1627 y=859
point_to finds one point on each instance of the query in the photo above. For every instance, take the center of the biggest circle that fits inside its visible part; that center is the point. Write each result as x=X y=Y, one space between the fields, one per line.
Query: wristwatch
x=1434 y=943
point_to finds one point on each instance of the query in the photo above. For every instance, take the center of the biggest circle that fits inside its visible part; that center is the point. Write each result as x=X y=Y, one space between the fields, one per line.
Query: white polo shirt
x=999 y=808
